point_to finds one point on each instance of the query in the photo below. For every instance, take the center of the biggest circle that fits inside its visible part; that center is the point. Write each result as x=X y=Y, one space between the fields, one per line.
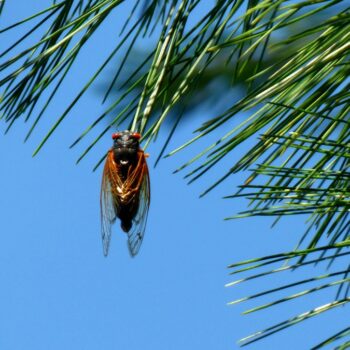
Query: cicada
x=125 y=190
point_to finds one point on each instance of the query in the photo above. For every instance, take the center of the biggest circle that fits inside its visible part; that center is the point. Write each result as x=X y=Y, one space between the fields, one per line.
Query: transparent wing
x=137 y=231
x=108 y=202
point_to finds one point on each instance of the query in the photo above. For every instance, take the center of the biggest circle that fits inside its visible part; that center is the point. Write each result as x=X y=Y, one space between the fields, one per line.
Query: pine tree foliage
x=298 y=107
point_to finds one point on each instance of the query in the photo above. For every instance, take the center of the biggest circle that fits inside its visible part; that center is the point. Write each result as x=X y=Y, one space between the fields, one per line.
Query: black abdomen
x=127 y=213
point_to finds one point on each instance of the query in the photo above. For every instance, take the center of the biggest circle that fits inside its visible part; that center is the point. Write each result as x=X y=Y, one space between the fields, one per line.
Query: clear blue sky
x=59 y=292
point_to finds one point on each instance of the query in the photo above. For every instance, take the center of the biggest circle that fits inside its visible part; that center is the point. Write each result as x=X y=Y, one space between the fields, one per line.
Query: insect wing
x=136 y=233
x=108 y=201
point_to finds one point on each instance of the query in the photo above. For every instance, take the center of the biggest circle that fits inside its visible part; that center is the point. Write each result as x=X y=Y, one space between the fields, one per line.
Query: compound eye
x=136 y=135
x=115 y=135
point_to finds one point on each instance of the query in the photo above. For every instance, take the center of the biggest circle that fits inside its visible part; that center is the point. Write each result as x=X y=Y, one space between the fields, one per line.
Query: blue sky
x=59 y=292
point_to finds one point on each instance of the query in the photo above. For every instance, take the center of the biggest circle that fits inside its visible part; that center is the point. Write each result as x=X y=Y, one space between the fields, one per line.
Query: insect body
x=125 y=191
